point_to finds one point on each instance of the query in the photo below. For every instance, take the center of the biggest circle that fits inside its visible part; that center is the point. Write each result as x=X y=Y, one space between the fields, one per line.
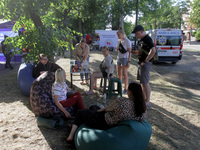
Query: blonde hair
x=60 y=76
x=121 y=30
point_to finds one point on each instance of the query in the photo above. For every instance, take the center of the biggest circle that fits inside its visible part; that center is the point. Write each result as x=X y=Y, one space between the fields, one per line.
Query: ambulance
x=168 y=43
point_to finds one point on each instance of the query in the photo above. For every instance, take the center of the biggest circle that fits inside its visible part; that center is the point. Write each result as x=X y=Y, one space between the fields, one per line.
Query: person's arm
x=76 y=52
x=56 y=99
x=86 y=53
x=102 y=109
x=108 y=73
x=129 y=58
x=1 y=48
x=150 y=56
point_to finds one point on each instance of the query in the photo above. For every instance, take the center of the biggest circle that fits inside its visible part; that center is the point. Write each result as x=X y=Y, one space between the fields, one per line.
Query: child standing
x=59 y=94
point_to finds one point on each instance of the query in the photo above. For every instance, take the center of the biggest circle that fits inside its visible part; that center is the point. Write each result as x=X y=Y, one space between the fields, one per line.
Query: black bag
x=122 y=49
x=103 y=69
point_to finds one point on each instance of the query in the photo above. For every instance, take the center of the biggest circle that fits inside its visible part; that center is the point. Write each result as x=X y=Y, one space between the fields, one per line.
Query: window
x=169 y=40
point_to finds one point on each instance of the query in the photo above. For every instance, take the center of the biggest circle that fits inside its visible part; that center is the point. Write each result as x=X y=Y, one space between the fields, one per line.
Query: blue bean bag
x=25 y=78
x=127 y=135
x=41 y=98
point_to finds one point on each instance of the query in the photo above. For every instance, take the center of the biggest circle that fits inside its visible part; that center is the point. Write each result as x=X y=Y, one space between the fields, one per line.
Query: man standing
x=6 y=54
x=146 y=52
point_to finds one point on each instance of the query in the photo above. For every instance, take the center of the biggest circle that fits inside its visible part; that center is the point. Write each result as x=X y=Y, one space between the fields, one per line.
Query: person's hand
x=67 y=114
x=128 y=65
x=142 y=63
x=108 y=78
x=41 y=72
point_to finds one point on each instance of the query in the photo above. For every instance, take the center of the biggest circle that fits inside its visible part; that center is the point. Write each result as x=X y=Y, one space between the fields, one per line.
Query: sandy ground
x=175 y=116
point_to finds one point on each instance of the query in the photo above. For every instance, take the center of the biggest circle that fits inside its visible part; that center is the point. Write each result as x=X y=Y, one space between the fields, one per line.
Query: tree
x=42 y=35
x=195 y=13
x=162 y=14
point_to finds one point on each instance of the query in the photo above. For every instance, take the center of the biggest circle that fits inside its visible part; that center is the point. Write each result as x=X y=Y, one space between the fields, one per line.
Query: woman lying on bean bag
x=132 y=108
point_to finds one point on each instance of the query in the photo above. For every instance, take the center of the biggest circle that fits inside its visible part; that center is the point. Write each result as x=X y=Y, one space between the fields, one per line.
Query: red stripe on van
x=168 y=48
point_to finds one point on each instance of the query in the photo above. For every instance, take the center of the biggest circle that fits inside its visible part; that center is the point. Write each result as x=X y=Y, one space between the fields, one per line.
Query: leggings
x=92 y=119
x=73 y=99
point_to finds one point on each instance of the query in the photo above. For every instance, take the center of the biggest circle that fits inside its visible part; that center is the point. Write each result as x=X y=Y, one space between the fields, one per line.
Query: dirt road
x=186 y=73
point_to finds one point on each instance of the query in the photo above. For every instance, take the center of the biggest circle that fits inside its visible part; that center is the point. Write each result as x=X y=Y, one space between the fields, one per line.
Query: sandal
x=95 y=88
x=82 y=83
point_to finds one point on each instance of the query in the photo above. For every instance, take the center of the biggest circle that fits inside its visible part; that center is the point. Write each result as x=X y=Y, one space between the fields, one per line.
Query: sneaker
x=148 y=105
x=125 y=92
x=89 y=92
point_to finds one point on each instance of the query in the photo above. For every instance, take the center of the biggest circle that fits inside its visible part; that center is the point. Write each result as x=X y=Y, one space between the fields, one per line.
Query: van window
x=131 y=38
x=169 y=40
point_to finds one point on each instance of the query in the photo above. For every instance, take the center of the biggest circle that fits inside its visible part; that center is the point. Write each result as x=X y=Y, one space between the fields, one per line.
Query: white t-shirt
x=59 y=89
x=108 y=62
x=126 y=44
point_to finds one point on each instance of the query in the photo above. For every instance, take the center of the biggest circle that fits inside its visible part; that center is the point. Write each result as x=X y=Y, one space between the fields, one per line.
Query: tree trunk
x=121 y=19
x=80 y=26
x=155 y=23
x=36 y=19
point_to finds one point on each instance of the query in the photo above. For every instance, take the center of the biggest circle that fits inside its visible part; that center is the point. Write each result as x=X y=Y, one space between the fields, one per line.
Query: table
x=77 y=73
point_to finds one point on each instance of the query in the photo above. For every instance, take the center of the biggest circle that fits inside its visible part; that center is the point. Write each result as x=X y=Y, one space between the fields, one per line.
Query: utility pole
x=136 y=18
x=121 y=20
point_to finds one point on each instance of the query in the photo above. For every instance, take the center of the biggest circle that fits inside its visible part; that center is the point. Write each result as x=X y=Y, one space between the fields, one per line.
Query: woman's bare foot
x=69 y=139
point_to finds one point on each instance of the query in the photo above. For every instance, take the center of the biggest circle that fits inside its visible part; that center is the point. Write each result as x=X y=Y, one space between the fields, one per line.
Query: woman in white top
x=124 y=57
x=59 y=94
x=108 y=64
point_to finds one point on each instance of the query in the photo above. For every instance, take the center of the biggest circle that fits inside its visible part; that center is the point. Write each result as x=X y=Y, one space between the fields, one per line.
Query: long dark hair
x=139 y=101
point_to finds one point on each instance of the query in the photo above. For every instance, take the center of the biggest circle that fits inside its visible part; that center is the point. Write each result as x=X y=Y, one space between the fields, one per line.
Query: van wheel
x=174 y=62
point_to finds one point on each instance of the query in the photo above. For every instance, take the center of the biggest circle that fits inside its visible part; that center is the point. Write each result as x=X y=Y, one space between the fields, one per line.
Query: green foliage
x=197 y=35
x=128 y=27
x=44 y=33
x=162 y=14
x=195 y=14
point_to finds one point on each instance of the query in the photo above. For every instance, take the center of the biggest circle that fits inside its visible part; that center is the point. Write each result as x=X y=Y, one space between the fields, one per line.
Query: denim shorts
x=143 y=73
x=122 y=61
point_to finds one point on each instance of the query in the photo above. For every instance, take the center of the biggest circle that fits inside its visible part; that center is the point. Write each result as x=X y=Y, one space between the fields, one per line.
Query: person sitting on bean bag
x=44 y=65
x=59 y=94
x=131 y=108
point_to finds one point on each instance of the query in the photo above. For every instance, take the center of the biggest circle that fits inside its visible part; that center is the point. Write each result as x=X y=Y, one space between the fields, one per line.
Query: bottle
x=104 y=98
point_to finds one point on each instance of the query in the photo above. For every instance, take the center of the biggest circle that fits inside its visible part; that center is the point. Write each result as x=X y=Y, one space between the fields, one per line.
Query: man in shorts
x=146 y=52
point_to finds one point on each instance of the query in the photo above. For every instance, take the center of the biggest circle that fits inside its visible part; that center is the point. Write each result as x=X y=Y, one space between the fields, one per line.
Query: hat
x=138 y=28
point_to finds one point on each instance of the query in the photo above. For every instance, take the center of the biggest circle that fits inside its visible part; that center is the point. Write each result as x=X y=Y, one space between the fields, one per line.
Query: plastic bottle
x=104 y=98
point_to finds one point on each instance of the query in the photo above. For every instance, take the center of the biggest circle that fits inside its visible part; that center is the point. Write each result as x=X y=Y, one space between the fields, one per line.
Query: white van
x=169 y=44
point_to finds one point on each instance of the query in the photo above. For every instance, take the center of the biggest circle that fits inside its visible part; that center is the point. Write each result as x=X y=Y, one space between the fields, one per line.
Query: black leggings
x=92 y=119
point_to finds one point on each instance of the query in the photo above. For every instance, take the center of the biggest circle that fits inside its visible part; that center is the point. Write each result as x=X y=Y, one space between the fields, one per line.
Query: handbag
x=103 y=69
x=121 y=48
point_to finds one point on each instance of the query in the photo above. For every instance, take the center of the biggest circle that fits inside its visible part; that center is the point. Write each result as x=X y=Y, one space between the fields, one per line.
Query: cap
x=138 y=28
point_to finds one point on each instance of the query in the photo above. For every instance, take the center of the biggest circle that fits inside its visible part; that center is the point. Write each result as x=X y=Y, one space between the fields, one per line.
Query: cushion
x=25 y=78
x=41 y=98
x=127 y=135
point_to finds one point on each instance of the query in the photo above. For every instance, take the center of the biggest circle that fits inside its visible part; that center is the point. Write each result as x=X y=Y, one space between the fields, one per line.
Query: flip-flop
x=89 y=93
x=82 y=83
